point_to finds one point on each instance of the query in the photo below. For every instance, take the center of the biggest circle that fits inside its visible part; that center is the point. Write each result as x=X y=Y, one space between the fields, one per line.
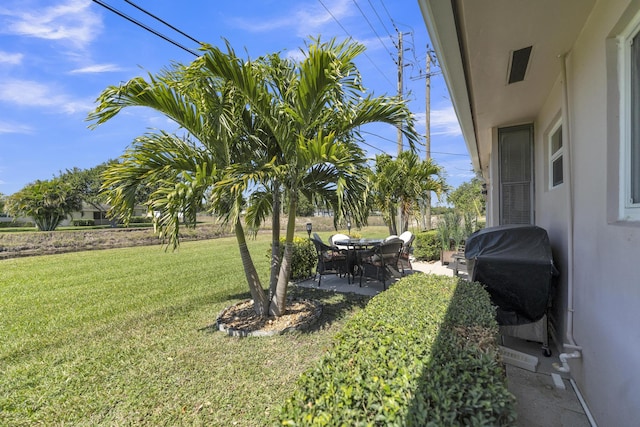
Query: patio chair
x=458 y=261
x=383 y=260
x=331 y=260
x=337 y=238
x=404 y=263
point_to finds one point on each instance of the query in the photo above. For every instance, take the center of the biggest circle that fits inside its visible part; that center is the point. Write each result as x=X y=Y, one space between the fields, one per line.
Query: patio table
x=353 y=247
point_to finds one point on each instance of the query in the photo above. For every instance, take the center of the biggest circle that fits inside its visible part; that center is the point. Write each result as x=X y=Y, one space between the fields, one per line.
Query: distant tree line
x=51 y=201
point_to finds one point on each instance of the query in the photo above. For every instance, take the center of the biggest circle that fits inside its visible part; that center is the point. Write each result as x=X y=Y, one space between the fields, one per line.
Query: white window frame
x=628 y=209
x=559 y=154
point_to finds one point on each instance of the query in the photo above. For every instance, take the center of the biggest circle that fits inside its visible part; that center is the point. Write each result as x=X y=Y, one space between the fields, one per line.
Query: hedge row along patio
x=423 y=353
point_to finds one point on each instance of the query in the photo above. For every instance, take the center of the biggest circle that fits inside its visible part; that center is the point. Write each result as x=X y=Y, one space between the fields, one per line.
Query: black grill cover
x=515 y=263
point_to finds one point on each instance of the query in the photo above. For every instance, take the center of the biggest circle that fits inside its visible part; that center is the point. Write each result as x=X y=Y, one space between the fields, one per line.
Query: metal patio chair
x=381 y=260
x=404 y=262
x=331 y=260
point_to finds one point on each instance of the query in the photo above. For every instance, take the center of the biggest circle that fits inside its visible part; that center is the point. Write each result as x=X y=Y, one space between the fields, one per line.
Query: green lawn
x=125 y=337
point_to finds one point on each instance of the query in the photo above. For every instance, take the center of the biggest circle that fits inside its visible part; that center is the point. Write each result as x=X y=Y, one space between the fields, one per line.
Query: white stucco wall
x=591 y=246
x=552 y=208
x=606 y=253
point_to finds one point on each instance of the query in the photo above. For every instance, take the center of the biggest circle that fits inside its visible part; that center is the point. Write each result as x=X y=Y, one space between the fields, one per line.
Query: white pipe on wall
x=566 y=130
x=564 y=357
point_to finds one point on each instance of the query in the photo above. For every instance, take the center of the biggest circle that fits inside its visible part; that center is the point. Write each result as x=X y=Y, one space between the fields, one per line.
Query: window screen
x=516 y=168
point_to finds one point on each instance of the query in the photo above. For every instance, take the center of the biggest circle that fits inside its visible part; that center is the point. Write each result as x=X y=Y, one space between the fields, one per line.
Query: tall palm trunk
x=279 y=300
x=392 y=220
x=275 y=241
x=405 y=216
x=260 y=300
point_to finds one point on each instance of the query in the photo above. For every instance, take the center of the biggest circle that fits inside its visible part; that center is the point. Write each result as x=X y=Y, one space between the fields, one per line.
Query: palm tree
x=403 y=182
x=313 y=110
x=47 y=202
x=265 y=129
x=218 y=133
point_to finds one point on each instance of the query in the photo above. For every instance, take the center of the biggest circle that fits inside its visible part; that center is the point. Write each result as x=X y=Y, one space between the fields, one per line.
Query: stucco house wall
x=606 y=279
x=552 y=206
x=596 y=252
x=606 y=299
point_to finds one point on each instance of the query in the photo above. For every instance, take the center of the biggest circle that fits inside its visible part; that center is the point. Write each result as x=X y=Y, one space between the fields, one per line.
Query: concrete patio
x=545 y=397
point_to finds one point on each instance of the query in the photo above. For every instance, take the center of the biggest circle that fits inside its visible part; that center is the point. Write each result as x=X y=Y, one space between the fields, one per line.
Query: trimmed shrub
x=141 y=220
x=423 y=353
x=303 y=262
x=427 y=246
x=83 y=222
x=17 y=224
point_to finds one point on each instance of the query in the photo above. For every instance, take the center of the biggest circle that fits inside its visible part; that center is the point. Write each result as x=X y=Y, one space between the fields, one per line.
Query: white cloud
x=72 y=20
x=443 y=122
x=24 y=92
x=304 y=20
x=10 y=58
x=295 y=55
x=77 y=106
x=6 y=127
x=97 y=68
x=373 y=44
x=34 y=94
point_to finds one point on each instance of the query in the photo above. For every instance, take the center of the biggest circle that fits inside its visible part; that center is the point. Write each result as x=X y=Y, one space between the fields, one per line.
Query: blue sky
x=56 y=56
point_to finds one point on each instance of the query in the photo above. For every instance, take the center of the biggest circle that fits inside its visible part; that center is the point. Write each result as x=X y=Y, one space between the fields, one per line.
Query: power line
x=382 y=22
x=143 y=26
x=163 y=21
x=372 y=28
x=353 y=38
x=335 y=19
x=389 y=15
x=391 y=140
x=372 y=146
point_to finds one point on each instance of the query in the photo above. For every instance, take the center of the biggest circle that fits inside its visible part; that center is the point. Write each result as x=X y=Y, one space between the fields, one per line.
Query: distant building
x=98 y=213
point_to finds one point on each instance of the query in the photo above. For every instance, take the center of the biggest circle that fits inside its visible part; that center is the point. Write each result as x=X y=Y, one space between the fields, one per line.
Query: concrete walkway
x=545 y=397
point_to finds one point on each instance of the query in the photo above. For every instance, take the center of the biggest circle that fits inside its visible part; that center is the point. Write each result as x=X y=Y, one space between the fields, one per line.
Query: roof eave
x=441 y=25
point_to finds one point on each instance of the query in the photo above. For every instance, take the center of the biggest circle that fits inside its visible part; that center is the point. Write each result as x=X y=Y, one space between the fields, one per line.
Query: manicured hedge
x=83 y=222
x=423 y=353
x=140 y=220
x=427 y=246
x=17 y=224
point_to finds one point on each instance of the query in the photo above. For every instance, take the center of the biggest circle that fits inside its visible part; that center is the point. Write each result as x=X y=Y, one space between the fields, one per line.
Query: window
x=515 y=150
x=556 y=151
x=630 y=121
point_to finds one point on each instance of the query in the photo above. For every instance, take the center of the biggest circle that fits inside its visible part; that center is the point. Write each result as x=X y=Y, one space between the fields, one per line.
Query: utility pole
x=400 y=95
x=426 y=218
x=427 y=142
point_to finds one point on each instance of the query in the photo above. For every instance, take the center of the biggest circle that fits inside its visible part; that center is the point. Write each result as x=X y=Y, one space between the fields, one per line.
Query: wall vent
x=519 y=64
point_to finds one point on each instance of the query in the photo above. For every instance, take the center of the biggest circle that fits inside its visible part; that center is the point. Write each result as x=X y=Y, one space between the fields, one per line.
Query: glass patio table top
x=358 y=243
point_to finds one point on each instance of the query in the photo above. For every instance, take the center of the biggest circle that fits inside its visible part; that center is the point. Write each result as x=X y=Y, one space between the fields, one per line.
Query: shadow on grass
x=334 y=305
